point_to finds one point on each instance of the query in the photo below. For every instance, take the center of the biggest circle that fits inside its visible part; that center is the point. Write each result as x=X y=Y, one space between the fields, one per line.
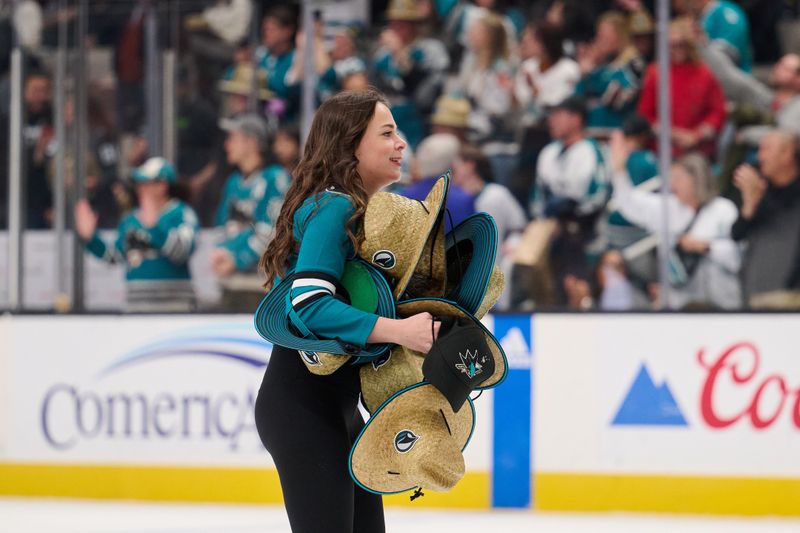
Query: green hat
x=155 y=169
x=361 y=286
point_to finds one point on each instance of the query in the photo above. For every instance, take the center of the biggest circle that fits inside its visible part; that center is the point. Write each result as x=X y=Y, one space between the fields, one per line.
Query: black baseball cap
x=636 y=125
x=459 y=360
x=574 y=104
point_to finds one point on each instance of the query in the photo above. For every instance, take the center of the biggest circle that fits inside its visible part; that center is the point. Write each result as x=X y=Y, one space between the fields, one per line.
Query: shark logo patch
x=405 y=440
x=384 y=259
x=311 y=358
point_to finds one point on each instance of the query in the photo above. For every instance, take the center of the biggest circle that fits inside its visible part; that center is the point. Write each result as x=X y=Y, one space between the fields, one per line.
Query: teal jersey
x=152 y=254
x=277 y=69
x=248 y=211
x=726 y=21
x=641 y=166
x=611 y=93
x=320 y=228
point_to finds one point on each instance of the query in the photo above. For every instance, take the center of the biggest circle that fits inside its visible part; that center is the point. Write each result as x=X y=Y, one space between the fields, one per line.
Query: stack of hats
x=422 y=413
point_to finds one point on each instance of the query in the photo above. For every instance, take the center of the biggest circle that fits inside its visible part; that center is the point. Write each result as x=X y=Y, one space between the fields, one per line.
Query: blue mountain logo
x=649 y=405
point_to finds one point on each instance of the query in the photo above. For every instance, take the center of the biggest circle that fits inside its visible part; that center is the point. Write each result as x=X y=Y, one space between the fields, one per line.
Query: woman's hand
x=416 y=332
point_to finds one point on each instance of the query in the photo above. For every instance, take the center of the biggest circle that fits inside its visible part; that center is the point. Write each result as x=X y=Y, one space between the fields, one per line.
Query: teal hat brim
x=471 y=249
x=273 y=324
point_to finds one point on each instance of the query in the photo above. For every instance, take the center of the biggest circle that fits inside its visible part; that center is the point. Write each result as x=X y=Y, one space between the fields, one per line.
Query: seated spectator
x=409 y=69
x=486 y=80
x=610 y=288
x=725 y=23
x=611 y=69
x=275 y=57
x=154 y=241
x=545 y=78
x=434 y=157
x=250 y=204
x=769 y=219
x=571 y=190
x=698 y=105
x=705 y=261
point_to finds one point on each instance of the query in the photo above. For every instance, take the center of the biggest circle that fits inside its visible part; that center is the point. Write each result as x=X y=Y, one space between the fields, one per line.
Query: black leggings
x=308 y=424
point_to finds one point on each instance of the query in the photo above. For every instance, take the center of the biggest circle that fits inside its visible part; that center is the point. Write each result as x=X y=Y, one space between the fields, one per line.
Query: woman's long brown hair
x=328 y=160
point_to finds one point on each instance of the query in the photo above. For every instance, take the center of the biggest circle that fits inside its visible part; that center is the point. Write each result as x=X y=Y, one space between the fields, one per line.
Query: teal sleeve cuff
x=96 y=246
x=329 y=318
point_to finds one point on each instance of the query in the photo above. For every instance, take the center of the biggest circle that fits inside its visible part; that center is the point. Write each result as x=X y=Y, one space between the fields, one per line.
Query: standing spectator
x=726 y=24
x=409 y=69
x=769 y=219
x=705 y=261
x=275 y=57
x=698 y=105
x=154 y=242
x=486 y=80
x=433 y=158
x=250 y=204
x=545 y=78
x=459 y=16
x=38 y=148
x=571 y=190
x=611 y=69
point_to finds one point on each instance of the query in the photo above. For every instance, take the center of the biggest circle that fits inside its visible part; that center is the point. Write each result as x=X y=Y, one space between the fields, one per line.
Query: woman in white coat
x=705 y=261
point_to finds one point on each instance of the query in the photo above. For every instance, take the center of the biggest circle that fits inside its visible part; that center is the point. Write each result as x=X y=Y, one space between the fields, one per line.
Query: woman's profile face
x=380 y=151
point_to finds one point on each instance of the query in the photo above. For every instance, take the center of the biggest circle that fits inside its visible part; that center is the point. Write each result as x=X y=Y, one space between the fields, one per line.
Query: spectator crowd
x=546 y=111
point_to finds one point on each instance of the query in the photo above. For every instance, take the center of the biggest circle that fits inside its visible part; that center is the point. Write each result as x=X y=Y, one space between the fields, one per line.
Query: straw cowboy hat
x=471 y=249
x=361 y=285
x=404 y=238
x=404 y=10
x=423 y=403
x=241 y=82
x=451 y=111
x=413 y=440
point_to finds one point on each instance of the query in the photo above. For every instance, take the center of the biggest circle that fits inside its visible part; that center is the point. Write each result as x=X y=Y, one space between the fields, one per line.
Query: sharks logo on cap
x=310 y=358
x=405 y=440
x=384 y=259
x=471 y=364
